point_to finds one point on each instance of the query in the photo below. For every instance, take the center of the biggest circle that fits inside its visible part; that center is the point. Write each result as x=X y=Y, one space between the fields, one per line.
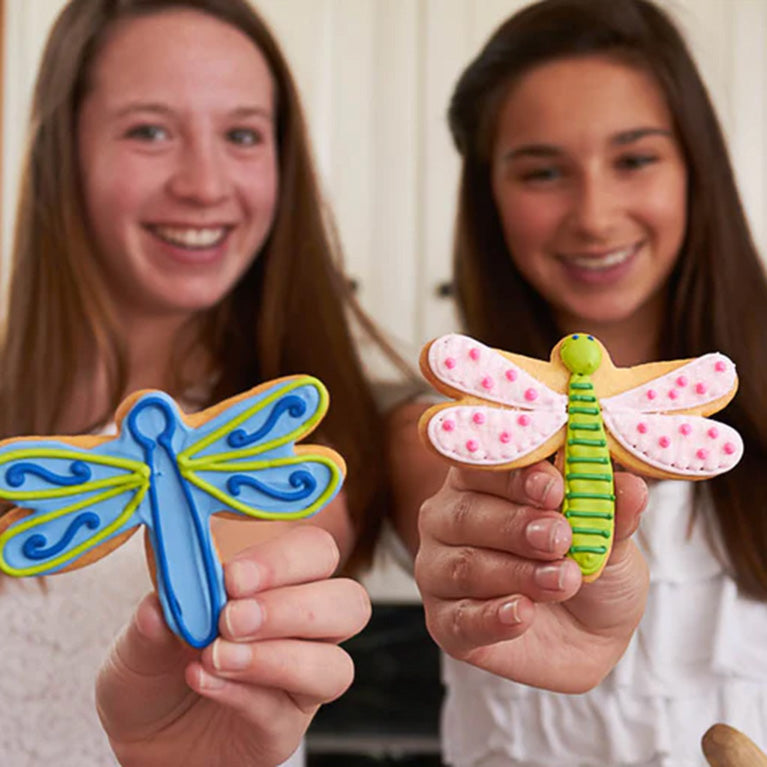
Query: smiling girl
x=170 y=235
x=596 y=195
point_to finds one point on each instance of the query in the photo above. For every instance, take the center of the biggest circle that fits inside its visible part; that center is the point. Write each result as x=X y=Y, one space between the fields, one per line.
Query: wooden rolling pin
x=724 y=746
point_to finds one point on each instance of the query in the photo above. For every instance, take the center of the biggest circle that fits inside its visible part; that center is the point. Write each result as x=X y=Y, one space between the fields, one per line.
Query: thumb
x=142 y=679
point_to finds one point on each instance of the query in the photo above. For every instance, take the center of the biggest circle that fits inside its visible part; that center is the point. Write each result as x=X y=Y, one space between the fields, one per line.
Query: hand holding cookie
x=499 y=591
x=256 y=688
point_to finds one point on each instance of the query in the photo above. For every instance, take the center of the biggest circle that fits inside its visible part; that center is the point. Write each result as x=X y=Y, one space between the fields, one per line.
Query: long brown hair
x=718 y=291
x=288 y=314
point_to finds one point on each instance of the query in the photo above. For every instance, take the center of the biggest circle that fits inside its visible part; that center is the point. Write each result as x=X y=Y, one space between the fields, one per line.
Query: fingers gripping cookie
x=78 y=498
x=513 y=411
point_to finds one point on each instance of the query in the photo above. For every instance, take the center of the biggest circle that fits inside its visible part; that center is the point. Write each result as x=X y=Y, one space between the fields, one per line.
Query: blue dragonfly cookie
x=78 y=498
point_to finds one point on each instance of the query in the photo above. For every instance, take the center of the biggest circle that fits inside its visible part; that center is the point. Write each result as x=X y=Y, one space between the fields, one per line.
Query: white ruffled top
x=54 y=635
x=697 y=658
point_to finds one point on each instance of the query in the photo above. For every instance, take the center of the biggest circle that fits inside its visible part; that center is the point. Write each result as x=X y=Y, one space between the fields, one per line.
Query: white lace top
x=53 y=638
x=697 y=658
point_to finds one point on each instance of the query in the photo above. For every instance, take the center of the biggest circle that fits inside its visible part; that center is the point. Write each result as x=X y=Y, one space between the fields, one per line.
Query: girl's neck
x=630 y=341
x=152 y=348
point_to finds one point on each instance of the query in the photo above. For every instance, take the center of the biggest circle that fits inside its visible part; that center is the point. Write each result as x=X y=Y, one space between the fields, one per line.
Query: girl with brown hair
x=596 y=195
x=171 y=235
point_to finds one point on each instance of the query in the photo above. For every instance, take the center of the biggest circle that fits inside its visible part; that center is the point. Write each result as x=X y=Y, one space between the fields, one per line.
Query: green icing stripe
x=584 y=410
x=582 y=398
x=589 y=514
x=582 y=386
x=588 y=549
x=587 y=442
x=585 y=427
x=595 y=477
x=591 y=496
x=588 y=459
x=592 y=531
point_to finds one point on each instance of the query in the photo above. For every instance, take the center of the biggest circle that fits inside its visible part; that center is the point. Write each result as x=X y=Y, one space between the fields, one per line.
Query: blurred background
x=376 y=76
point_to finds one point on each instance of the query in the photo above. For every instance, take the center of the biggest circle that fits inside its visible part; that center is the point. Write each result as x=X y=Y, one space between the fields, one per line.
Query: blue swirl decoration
x=34 y=546
x=17 y=474
x=302 y=480
x=294 y=405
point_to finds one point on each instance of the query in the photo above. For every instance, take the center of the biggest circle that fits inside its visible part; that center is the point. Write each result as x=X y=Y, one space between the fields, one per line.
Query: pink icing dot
x=729 y=448
x=664 y=441
x=523 y=420
x=651 y=394
x=531 y=395
x=713 y=432
x=685 y=429
x=472 y=445
x=720 y=366
x=505 y=437
x=642 y=428
x=702 y=454
x=487 y=382
x=681 y=381
x=448 y=425
x=700 y=388
x=478 y=418
x=673 y=394
x=449 y=363
x=474 y=353
x=511 y=375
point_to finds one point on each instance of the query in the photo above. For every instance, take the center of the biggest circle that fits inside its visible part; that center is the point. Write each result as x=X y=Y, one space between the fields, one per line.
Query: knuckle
x=461 y=569
x=460 y=515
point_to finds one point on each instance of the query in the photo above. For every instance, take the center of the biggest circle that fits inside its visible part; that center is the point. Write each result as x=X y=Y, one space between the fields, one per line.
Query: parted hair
x=717 y=291
x=290 y=313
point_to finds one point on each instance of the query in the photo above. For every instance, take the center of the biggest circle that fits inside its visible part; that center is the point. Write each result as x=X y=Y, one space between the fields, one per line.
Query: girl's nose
x=595 y=203
x=200 y=174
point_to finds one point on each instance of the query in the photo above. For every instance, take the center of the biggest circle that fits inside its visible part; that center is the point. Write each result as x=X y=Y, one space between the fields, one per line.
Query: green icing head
x=581 y=354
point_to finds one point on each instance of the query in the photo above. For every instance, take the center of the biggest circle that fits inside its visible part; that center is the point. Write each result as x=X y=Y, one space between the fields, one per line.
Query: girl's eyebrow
x=240 y=112
x=635 y=134
x=552 y=150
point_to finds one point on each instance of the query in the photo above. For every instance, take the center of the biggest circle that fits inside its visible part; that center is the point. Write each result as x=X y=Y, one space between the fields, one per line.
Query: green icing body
x=589 y=504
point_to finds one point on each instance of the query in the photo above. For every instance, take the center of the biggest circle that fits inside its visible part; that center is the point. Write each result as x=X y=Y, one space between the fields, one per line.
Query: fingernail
x=537 y=486
x=209 y=682
x=230 y=656
x=243 y=618
x=549 y=535
x=244 y=576
x=551 y=577
x=508 y=613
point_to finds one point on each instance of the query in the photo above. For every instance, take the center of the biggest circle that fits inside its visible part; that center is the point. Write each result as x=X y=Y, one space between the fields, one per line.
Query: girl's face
x=176 y=141
x=591 y=189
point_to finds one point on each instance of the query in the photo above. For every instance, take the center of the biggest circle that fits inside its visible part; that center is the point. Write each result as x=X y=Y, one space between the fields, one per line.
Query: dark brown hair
x=288 y=314
x=718 y=291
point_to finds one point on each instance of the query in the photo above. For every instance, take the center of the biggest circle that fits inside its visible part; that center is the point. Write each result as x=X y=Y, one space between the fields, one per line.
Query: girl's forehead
x=179 y=53
x=592 y=96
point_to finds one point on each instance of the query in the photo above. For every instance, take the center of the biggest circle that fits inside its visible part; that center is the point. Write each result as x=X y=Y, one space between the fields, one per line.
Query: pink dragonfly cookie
x=513 y=411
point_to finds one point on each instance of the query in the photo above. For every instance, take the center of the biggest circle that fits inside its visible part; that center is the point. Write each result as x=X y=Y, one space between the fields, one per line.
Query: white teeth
x=188 y=237
x=595 y=263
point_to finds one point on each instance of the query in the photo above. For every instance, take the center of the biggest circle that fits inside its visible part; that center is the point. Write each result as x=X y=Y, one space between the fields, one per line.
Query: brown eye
x=147 y=132
x=245 y=137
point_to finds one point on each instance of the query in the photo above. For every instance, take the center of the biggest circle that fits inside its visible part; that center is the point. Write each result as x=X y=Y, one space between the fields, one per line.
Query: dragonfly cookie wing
x=78 y=499
x=684 y=445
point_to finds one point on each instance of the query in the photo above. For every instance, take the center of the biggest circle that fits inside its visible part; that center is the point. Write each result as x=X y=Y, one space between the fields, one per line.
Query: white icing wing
x=695 y=384
x=685 y=445
x=489 y=436
x=476 y=369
